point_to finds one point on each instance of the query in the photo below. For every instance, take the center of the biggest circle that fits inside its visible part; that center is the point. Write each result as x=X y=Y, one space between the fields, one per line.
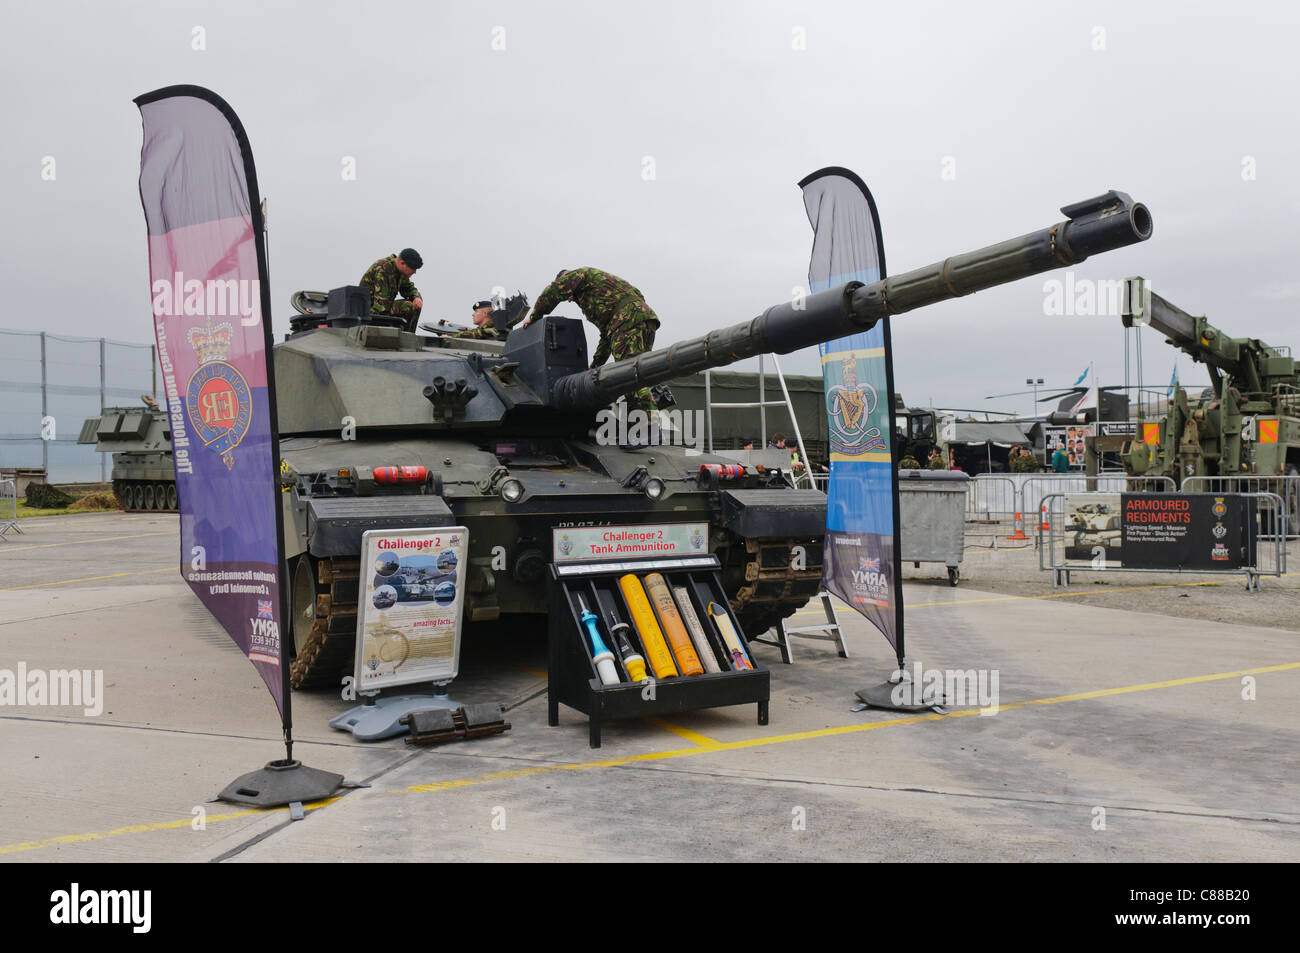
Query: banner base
x=900 y=693
x=281 y=782
x=377 y=721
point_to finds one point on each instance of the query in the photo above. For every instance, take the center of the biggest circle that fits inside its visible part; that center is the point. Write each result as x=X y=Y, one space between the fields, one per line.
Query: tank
x=382 y=428
x=140 y=440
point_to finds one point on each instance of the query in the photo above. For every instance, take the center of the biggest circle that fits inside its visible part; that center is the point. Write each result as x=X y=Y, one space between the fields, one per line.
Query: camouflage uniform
x=385 y=283
x=484 y=332
x=627 y=325
x=1024 y=463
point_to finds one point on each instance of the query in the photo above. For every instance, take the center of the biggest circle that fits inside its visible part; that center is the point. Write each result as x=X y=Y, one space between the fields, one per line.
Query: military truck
x=139 y=438
x=383 y=429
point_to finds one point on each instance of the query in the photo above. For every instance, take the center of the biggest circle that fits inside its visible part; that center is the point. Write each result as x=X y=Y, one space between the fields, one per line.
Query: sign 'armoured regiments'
x=1188 y=532
x=860 y=561
x=210 y=297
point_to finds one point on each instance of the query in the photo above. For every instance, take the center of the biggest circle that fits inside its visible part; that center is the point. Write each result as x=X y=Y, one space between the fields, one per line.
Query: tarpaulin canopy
x=975 y=433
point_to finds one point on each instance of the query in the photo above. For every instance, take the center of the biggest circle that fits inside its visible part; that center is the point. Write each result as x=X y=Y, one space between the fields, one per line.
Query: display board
x=409 y=614
x=1189 y=531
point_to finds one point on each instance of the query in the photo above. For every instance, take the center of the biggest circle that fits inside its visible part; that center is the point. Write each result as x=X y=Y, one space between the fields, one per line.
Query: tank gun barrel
x=1100 y=224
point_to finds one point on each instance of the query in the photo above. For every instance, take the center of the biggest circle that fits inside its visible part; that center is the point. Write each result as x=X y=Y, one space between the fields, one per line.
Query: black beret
x=411 y=257
x=481 y=304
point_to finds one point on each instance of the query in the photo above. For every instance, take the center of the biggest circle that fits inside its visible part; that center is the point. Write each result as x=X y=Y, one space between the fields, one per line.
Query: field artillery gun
x=1246 y=424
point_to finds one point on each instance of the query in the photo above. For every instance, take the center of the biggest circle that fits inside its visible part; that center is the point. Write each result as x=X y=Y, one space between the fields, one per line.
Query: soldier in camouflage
x=391 y=276
x=1022 y=462
x=627 y=325
x=483 y=329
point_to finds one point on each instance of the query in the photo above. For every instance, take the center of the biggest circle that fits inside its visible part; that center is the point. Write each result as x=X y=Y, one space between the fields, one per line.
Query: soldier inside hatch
x=483 y=328
x=390 y=277
x=626 y=324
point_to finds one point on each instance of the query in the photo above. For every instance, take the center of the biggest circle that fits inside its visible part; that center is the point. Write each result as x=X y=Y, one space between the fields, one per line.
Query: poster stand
x=409 y=622
x=581 y=589
x=379 y=718
x=902 y=693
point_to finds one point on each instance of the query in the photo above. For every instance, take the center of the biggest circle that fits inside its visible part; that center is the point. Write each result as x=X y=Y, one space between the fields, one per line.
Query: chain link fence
x=50 y=383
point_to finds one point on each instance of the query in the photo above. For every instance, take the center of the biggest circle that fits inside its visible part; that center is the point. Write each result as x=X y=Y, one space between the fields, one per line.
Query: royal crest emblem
x=697 y=540
x=217 y=399
x=849 y=406
x=566 y=544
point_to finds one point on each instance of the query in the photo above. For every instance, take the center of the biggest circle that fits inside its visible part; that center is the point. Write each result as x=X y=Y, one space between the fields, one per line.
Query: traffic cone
x=1044 y=525
x=1020 y=528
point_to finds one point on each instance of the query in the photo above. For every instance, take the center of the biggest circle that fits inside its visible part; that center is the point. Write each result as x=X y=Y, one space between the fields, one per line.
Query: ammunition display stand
x=572 y=675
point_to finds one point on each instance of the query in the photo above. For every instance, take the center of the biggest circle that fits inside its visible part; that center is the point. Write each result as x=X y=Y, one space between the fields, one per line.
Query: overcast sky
x=971 y=123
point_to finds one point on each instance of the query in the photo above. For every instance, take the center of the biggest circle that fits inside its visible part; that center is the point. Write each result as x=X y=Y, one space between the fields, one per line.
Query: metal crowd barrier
x=1287 y=488
x=1036 y=487
x=991 y=497
x=1019 y=496
x=1270 y=549
x=9 y=508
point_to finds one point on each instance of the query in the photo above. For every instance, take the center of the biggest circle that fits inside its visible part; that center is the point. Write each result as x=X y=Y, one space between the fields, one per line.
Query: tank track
x=332 y=642
x=771 y=590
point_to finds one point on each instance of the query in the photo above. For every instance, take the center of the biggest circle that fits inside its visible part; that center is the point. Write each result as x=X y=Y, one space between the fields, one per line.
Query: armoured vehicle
x=383 y=429
x=140 y=440
x=1246 y=424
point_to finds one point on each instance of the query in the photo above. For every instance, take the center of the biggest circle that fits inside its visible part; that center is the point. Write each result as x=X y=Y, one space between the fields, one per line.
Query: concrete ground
x=1123 y=734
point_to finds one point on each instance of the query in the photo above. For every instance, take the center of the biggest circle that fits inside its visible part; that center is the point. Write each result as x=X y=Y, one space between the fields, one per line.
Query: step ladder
x=801 y=478
x=829 y=631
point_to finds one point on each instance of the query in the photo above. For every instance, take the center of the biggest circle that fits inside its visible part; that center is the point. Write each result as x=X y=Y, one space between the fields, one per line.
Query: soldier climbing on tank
x=484 y=329
x=627 y=325
x=390 y=277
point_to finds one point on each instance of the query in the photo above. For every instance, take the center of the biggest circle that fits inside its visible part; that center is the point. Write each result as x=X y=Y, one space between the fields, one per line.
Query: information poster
x=1194 y=531
x=1070 y=439
x=409 y=614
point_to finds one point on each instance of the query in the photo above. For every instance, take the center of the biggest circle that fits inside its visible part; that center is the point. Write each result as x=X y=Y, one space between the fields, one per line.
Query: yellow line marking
x=676 y=753
x=146 y=828
x=112 y=575
x=83 y=542
x=535 y=673
x=692 y=736
x=1054 y=595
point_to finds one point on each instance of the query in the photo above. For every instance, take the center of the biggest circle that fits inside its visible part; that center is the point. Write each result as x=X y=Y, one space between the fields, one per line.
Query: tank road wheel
x=137 y=497
x=149 y=497
x=160 y=496
x=324 y=620
x=172 y=502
